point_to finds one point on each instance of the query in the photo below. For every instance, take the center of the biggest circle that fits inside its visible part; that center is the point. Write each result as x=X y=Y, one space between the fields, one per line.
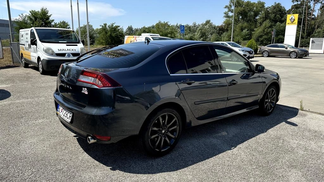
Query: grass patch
x=6 y=61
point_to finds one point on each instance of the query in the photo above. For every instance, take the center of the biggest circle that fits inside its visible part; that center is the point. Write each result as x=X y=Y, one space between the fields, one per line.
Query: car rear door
x=198 y=78
x=244 y=85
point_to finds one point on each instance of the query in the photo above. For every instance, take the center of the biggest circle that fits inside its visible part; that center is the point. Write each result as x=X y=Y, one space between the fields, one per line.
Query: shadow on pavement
x=197 y=144
x=48 y=73
x=4 y=94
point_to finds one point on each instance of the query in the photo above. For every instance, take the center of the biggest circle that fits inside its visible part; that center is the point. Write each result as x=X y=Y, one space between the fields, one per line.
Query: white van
x=47 y=48
x=143 y=36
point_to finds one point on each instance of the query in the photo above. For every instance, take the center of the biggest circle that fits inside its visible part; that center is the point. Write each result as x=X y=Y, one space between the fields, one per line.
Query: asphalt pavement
x=285 y=146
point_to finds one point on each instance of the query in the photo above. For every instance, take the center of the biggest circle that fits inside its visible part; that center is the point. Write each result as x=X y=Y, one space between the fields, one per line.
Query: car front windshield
x=57 y=36
x=233 y=44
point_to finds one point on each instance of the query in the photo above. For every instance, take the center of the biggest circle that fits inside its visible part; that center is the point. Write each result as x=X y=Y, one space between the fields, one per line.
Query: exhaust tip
x=91 y=140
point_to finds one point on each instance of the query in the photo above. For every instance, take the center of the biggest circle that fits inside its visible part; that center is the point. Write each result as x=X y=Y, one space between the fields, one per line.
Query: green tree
x=273 y=18
x=22 y=22
x=110 y=35
x=92 y=34
x=129 y=30
x=61 y=24
x=40 y=18
x=253 y=45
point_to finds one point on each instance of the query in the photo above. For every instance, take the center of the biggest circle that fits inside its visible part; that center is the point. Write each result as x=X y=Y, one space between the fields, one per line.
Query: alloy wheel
x=270 y=100
x=265 y=53
x=164 y=132
x=293 y=54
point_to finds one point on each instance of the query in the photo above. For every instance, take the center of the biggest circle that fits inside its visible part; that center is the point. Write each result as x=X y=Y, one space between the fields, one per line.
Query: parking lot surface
x=285 y=146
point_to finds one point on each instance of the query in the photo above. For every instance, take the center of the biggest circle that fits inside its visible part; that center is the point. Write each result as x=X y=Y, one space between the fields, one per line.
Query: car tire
x=162 y=132
x=41 y=67
x=269 y=101
x=23 y=62
x=265 y=53
x=293 y=55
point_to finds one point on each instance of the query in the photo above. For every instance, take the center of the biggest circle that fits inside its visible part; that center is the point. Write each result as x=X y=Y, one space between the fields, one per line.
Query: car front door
x=197 y=75
x=244 y=85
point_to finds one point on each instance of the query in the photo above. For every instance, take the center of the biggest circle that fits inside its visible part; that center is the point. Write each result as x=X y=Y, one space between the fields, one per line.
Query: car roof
x=162 y=43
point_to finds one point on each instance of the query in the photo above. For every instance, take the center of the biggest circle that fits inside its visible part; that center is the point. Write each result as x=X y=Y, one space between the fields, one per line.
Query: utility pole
x=88 y=37
x=79 y=20
x=233 y=22
x=9 y=16
x=301 y=26
x=71 y=14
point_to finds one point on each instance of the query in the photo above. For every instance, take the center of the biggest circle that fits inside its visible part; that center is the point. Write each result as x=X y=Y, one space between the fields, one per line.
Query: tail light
x=98 y=79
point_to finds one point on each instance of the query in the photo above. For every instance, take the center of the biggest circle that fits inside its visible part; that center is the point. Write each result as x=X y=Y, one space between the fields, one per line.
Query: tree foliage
x=110 y=35
x=92 y=34
x=40 y=18
x=253 y=45
x=61 y=24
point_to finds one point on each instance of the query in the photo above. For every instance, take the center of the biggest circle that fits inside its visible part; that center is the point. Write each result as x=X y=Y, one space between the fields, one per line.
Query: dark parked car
x=283 y=50
x=157 y=89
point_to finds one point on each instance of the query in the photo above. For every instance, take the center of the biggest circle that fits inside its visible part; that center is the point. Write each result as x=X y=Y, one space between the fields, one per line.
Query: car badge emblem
x=68 y=55
x=292 y=19
x=85 y=91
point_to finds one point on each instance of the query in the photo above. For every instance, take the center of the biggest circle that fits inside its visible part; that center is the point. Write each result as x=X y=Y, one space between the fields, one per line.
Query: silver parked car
x=245 y=51
x=283 y=50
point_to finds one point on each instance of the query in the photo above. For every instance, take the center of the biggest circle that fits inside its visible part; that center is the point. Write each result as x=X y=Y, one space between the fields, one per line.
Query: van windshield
x=57 y=36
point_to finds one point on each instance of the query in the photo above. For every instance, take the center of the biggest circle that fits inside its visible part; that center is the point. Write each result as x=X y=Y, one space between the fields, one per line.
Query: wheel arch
x=172 y=105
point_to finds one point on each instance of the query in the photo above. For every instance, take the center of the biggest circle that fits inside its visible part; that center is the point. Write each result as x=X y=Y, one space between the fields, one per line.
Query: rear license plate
x=64 y=114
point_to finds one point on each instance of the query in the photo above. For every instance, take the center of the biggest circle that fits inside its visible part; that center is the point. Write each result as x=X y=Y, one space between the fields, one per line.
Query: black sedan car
x=156 y=89
x=283 y=50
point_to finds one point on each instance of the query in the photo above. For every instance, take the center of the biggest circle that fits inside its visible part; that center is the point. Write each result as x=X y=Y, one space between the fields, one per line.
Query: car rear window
x=123 y=56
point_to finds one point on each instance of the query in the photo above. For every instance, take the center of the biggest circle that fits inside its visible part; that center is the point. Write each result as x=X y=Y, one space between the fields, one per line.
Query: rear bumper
x=102 y=121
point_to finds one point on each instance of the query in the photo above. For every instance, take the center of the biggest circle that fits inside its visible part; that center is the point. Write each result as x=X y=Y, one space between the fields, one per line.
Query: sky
x=127 y=12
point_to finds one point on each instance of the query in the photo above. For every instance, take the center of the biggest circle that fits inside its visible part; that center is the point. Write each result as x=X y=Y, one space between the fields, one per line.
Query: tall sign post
x=182 y=30
x=291 y=29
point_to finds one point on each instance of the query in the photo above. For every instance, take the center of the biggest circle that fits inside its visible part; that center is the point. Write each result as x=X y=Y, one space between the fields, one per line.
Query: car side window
x=281 y=46
x=274 y=46
x=231 y=61
x=199 y=59
x=176 y=64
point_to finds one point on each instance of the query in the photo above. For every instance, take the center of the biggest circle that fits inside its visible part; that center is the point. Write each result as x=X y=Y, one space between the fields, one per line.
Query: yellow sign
x=292 y=19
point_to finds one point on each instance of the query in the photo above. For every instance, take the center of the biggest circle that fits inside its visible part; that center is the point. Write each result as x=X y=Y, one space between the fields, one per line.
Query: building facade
x=4 y=29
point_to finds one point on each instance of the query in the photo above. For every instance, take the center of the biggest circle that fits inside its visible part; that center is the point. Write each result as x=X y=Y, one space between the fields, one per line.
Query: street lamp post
x=301 y=26
x=9 y=16
x=79 y=20
x=71 y=14
x=88 y=37
x=233 y=22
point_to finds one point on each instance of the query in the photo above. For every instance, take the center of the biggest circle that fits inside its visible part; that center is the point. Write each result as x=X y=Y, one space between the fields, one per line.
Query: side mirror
x=259 y=68
x=82 y=41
